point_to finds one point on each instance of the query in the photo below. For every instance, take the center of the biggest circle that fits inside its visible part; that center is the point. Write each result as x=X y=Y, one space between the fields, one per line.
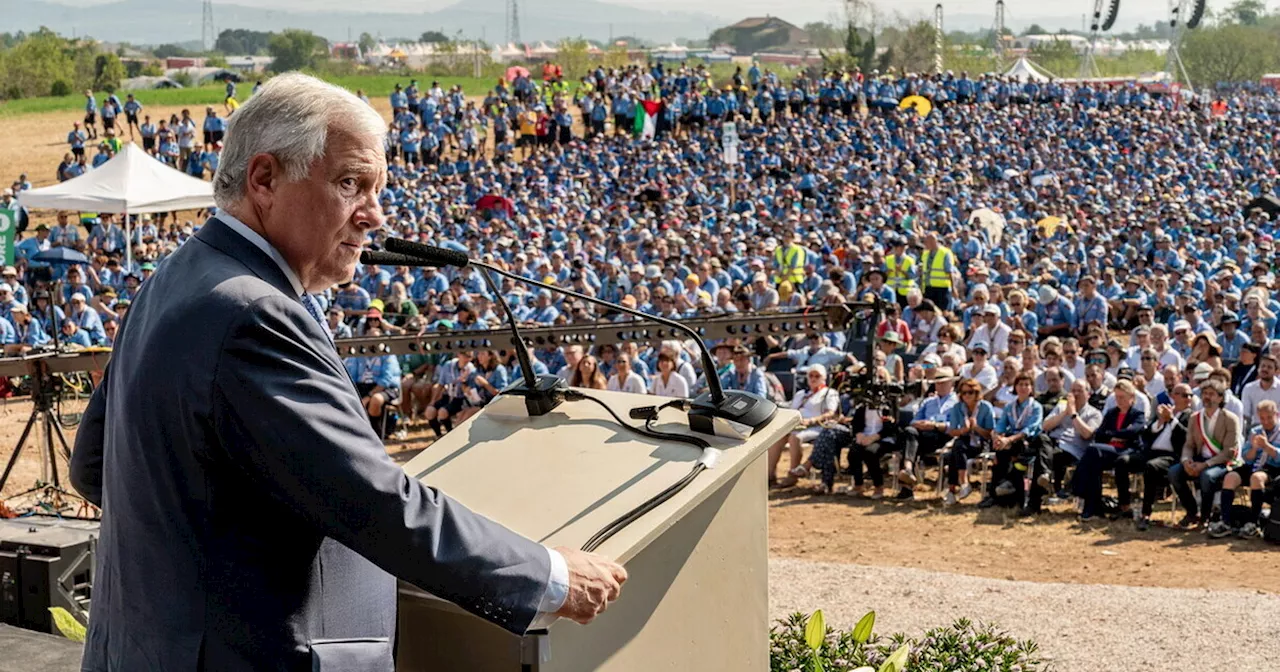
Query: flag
x=647 y=117
x=8 y=231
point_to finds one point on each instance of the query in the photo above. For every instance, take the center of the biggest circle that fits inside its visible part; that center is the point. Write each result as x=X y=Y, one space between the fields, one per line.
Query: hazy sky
x=1018 y=12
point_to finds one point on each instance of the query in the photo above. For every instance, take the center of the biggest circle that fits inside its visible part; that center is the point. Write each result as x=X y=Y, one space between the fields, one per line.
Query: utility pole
x=515 y=21
x=999 y=31
x=937 y=38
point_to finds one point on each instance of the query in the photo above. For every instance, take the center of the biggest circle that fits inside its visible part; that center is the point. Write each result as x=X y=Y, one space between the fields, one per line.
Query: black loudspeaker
x=45 y=563
x=1271 y=528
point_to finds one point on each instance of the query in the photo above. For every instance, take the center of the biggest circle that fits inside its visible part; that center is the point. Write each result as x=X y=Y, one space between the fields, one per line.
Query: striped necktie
x=313 y=308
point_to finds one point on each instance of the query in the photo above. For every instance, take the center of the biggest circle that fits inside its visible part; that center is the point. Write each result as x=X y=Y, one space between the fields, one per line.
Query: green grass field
x=373 y=86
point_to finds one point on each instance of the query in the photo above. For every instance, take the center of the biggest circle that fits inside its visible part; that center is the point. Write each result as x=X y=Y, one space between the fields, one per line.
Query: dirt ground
x=922 y=534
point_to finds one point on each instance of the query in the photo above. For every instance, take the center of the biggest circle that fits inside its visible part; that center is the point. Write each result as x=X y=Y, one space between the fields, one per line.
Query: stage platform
x=29 y=651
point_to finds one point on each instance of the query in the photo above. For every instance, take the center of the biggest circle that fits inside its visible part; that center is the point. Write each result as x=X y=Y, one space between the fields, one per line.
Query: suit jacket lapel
x=218 y=235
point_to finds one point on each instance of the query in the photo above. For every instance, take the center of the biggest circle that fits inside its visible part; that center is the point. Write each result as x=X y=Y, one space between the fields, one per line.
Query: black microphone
x=736 y=413
x=445 y=257
x=541 y=393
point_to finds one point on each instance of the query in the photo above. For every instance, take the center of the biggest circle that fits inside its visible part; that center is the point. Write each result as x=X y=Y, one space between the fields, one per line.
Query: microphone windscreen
x=445 y=257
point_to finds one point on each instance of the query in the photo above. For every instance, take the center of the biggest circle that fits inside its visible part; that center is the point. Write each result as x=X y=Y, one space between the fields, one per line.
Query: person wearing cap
x=1054 y=313
x=86 y=318
x=926 y=323
x=992 y=331
x=817 y=404
x=744 y=375
x=763 y=296
x=980 y=369
x=1212 y=445
x=1231 y=339
x=27 y=332
x=926 y=434
x=1019 y=317
x=72 y=335
x=1181 y=343
x=334 y=321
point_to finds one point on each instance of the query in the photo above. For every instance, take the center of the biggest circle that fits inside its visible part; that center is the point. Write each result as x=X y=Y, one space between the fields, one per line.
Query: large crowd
x=1116 y=317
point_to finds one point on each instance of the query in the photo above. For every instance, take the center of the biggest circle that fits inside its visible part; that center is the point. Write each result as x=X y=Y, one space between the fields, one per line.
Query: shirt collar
x=262 y=244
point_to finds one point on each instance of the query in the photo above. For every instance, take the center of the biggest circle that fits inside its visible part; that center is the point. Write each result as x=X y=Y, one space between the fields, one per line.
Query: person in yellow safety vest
x=936 y=265
x=789 y=260
x=900 y=268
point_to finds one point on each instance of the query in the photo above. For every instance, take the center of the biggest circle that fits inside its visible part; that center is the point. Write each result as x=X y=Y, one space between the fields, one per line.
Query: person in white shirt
x=624 y=379
x=572 y=355
x=980 y=369
x=817 y=405
x=1071 y=359
x=684 y=368
x=1160 y=342
x=1264 y=388
x=668 y=383
x=992 y=331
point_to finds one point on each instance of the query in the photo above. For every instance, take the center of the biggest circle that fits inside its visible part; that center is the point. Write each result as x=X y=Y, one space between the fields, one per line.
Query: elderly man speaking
x=251 y=518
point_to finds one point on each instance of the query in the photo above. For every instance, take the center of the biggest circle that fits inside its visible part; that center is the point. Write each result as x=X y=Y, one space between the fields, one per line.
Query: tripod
x=44 y=394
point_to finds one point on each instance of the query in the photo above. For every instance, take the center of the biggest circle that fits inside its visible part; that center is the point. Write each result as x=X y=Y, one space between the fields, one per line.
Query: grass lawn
x=373 y=86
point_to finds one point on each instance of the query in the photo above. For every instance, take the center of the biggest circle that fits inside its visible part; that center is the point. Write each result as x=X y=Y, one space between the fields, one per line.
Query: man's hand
x=594 y=582
x=1166 y=412
x=1258 y=441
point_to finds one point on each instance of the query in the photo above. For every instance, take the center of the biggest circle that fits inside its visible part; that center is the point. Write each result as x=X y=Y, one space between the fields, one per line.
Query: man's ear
x=263 y=176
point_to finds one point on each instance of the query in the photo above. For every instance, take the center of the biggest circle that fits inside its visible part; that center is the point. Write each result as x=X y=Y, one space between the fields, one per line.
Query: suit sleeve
x=289 y=417
x=86 y=459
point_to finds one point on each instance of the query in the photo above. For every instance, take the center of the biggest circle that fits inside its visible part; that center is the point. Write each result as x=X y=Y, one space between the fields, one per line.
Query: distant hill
x=165 y=21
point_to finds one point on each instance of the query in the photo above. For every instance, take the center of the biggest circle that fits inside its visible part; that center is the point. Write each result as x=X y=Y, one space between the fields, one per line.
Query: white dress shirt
x=558 y=580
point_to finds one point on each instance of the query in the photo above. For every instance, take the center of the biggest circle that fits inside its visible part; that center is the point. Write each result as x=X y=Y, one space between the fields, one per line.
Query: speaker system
x=44 y=563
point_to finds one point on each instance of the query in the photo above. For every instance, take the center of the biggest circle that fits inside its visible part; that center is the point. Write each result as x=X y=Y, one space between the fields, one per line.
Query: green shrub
x=60 y=88
x=959 y=647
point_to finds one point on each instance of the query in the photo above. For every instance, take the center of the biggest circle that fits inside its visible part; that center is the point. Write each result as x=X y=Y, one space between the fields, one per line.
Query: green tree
x=823 y=35
x=240 y=41
x=1247 y=12
x=914 y=50
x=366 y=43
x=108 y=71
x=1034 y=29
x=574 y=57
x=1231 y=53
x=169 y=51
x=31 y=68
x=294 y=50
x=852 y=41
x=432 y=36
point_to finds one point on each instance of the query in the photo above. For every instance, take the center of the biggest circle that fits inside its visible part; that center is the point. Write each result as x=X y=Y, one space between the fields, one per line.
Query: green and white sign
x=8 y=231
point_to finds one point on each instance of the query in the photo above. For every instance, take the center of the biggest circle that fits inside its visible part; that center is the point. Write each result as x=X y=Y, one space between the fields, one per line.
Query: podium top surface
x=561 y=477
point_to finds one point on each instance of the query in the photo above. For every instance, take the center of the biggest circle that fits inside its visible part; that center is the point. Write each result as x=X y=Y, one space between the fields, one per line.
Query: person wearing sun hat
x=927 y=432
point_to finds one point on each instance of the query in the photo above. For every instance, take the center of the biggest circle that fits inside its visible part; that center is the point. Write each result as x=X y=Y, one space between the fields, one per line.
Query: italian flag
x=647 y=117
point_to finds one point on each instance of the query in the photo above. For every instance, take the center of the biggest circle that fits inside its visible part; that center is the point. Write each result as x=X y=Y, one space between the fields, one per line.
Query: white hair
x=289 y=118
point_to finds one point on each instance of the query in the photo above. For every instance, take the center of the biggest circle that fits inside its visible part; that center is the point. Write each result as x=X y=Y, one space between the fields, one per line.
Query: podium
x=696 y=596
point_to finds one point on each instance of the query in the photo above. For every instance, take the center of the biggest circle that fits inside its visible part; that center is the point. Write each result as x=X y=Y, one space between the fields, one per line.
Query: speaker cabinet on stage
x=696 y=597
x=45 y=562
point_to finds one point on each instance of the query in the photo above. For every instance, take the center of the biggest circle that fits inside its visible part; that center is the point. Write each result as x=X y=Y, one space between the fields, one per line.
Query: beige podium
x=697 y=593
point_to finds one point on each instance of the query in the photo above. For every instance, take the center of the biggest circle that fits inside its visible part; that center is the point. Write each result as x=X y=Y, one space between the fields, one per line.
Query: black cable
x=657 y=500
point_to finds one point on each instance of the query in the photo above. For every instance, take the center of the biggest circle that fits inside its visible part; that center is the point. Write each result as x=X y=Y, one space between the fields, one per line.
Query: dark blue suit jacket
x=251 y=518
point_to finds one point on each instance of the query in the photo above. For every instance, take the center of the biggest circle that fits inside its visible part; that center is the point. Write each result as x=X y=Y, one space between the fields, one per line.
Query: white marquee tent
x=131 y=183
x=1026 y=71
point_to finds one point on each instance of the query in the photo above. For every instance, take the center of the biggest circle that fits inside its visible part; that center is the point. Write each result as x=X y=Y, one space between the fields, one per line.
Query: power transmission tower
x=1184 y=14
x=513 y=23
x=207 y=36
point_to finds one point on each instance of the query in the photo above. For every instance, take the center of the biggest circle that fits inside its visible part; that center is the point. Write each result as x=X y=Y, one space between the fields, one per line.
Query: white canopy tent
x=1026 y=71
x=132 y=182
